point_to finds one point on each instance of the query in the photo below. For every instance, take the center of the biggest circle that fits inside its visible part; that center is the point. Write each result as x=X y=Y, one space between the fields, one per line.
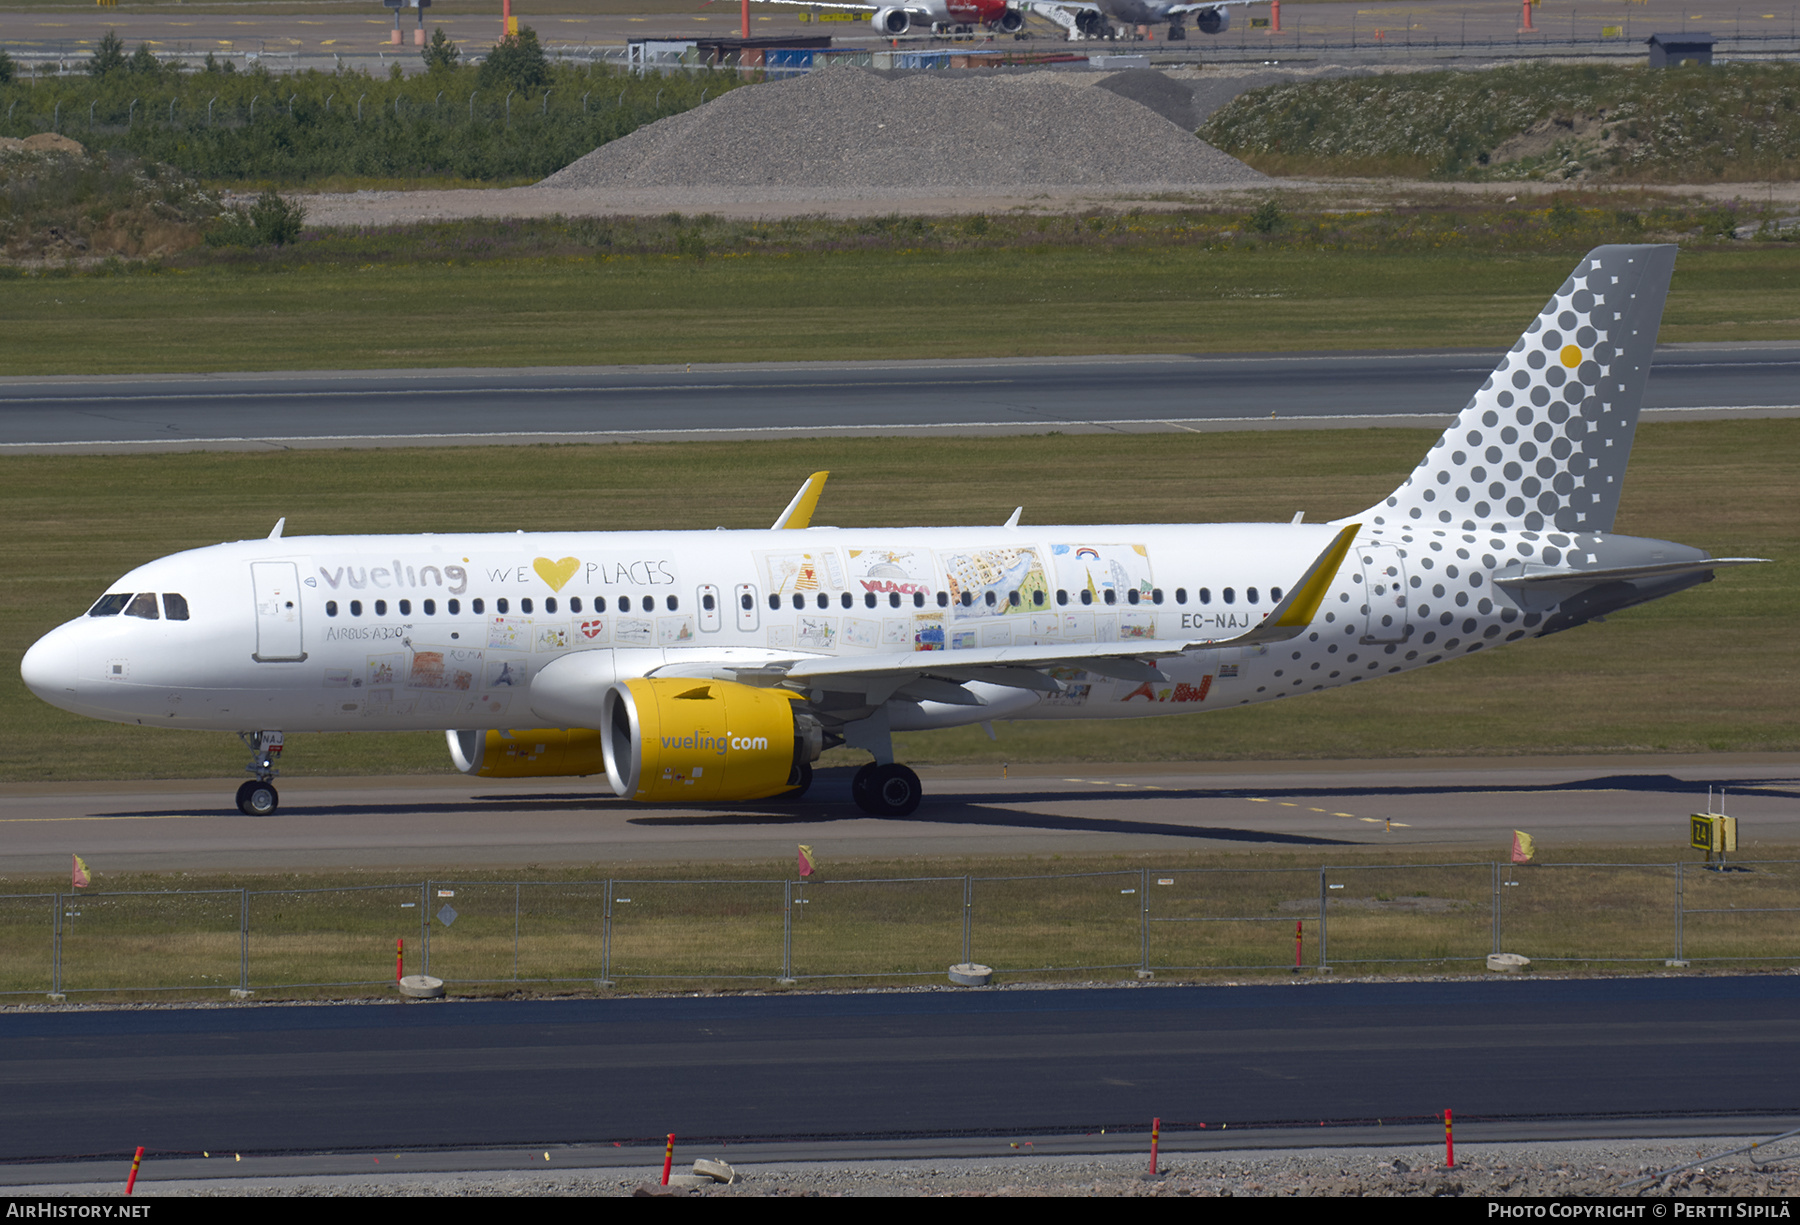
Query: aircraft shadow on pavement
x=829 y=801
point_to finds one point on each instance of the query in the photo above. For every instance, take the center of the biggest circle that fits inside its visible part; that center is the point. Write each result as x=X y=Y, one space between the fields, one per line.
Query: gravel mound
x=847 y=129
x=1172 y=99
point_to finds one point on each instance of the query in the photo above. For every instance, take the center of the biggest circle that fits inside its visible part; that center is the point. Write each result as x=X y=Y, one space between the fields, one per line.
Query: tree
x=143 y=62
x=109 y=56
x=516 y=61
x=440 y=53
x=7 y=67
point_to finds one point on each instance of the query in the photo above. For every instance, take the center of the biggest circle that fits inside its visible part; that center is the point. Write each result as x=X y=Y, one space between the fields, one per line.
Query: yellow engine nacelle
x=698 y=741
x=527 y=752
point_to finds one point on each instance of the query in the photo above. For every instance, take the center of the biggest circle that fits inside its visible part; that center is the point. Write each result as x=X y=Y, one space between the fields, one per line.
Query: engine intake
x=1212 y=21
x=892 y=22
x=698 y=741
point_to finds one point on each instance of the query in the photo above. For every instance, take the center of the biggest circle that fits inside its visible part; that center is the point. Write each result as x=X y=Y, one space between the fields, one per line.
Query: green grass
x=827 y=306
x=1210 y=916
x=1708 y=670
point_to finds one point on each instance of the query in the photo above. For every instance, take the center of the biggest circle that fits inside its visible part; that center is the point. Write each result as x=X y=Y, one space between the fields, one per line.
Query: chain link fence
x=483 y=935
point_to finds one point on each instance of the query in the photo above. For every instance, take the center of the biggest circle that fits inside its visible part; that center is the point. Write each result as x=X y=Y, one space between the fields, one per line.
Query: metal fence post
x=1144 y=921
x=56 y=916
x=1679 y=902
x=244 y=940
x=606 y=935
x=425 y=923
x=1322 y=896
x=1497 y=888
x=515 y=931
x=787 y=931
x=968 y=905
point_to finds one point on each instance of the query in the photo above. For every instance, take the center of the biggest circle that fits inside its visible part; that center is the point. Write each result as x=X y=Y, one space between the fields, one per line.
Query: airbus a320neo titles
x=714 y=666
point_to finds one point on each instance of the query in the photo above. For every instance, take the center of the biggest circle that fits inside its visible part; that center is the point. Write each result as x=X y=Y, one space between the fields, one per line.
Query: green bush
x=306 y=125
x=109 y=56
x=7 y=67
x=270 y=222
x=516 y=62
x=440 y=54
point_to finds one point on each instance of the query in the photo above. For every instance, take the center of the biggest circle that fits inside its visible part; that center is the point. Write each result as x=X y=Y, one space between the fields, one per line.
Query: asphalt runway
x=1331 y=811
x=565 y=1080
x=612 y=404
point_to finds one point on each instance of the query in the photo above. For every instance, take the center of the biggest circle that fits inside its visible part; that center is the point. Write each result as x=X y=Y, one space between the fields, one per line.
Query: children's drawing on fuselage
x=817 y=633
x=634 y=631
x=1102 y=568
x=506 y=674
x=979 y=573
x=884 y=573
x=804 y=573
x=553 y=638
x=861 y=632
x=674 y=631
x=509 y=634
x=928 y=633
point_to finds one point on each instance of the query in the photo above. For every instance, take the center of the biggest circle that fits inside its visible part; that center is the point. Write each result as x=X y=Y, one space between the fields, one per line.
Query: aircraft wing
x=940 y=675
x=1216 y=4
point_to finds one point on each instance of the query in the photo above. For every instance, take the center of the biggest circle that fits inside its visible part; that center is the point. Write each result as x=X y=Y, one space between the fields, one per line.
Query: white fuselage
x=449 y=631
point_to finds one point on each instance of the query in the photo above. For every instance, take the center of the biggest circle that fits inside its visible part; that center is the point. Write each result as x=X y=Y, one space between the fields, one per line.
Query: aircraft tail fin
x=1544 y=442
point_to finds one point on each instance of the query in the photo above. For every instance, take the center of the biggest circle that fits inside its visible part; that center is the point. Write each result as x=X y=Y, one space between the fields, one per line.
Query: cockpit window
x=142 y=605
x=110 y=605
x=174 y=606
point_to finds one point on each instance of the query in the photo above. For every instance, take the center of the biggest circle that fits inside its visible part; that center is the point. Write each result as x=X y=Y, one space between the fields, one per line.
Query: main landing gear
x=886 y=791
x=258 y=797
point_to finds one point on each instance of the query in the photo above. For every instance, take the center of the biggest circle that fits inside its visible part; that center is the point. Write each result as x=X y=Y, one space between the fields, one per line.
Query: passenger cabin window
x=868 y=599
x=1111 y=596
x=1087 y=597
x=1230 y=596
x=110 y=605
x=1132 y=596
x=706 y=602
x=525 y=605
x=1275 y=595
x=356 y=608
x=599 y=603
x=500 y=606
x=1206 y=595
x=674 y=602
x=430 y=608
x=478 y=606
x=453 y=607
x=1062 y=597
x=918 y=599
x=774 y=602
x=1037 y=598
x=1156 y=595
x=574 y=603
x=1181 y=595
x=142 y=605
x=331 y=608
x=747 y=602
x=550 y=605
x=943 y=599
x=1250 y=594
x=381 y=608
x=406 y=608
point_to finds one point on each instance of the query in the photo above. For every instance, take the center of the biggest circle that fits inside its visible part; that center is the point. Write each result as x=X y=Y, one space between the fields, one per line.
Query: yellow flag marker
x=1523 y=848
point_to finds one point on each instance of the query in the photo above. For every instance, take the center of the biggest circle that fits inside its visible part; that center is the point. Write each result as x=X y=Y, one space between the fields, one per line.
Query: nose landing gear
x=258 y=797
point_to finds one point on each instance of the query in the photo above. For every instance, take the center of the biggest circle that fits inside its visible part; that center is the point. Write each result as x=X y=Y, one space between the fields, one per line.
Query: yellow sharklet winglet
x=1297 y=611
x=799 y=512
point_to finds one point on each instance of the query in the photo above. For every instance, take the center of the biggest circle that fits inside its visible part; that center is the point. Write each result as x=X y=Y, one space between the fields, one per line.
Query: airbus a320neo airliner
x=714 y=666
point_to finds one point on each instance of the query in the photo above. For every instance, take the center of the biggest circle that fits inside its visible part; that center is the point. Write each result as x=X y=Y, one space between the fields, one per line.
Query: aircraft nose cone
x=52 y=666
